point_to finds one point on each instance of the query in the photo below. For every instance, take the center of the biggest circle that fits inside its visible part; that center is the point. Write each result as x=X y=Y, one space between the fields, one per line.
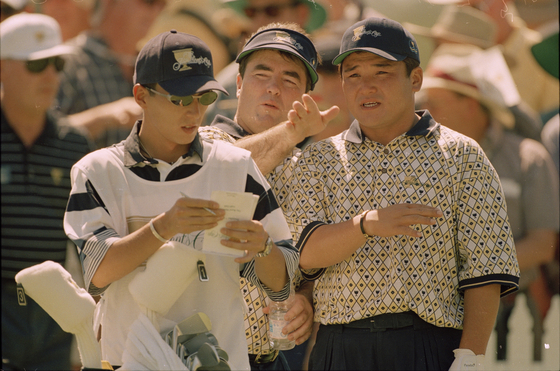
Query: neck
x=27 y=123
x=384 y=135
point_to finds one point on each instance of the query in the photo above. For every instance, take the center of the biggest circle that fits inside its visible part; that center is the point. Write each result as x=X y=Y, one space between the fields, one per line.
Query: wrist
x=156 y=233
x=362 y=226
x=267 y=248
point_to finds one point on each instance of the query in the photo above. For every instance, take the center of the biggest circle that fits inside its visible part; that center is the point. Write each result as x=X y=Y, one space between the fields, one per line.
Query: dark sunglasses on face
x=271 y=10
x=205 y=99
x=39 y=65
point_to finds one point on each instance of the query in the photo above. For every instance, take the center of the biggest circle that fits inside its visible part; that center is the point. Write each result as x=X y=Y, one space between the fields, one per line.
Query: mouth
x=269 y=105
x=370 y=104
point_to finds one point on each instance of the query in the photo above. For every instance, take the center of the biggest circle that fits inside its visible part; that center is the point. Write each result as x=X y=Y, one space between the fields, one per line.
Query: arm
x=121 y=113
x=536 y=248
x=272 y=146
x=481 y=309
x=334 y=243
x=126 y=254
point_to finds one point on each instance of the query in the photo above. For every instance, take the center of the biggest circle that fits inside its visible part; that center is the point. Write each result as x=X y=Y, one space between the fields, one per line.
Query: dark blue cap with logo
x=380 y=36
x=180 y=63
x=286 y=40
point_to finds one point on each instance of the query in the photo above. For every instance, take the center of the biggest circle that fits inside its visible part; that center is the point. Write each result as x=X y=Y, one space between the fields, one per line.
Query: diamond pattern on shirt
x=334 y=180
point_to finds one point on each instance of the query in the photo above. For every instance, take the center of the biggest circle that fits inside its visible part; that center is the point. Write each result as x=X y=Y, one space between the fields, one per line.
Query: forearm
x=269 y=148
x=126 y=255
x=481 y=309
x=94 y=121
x=271 y=270
x=330 y=244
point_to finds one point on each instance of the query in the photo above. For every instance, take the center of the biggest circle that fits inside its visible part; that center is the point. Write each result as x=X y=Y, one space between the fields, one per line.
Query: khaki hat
x=451 y=67
x=460 y=24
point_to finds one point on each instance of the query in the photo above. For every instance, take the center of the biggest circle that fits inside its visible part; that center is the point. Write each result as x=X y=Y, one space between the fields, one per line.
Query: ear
x=140 y=94
x=238 y=83
x=416 y=78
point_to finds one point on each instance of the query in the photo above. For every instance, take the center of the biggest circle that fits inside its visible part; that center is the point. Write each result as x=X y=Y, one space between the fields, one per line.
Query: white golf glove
x=466 y=360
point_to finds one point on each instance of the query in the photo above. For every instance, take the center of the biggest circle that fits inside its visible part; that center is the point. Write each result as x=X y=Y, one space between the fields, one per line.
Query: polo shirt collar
x=424 y=127
x=229 y=126
x=133 y=156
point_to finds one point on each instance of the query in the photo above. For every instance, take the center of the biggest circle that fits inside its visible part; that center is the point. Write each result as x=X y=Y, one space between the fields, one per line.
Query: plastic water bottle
x=276 y=322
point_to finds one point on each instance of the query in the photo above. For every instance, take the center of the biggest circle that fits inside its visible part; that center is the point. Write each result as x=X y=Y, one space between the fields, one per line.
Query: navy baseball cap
x=286 y=40
x=380 y=36
x=180 y=63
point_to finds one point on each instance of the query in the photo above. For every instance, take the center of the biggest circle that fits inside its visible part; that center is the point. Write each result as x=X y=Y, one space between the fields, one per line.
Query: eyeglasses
x=270 y=11
x=205 y=99
x=39 y=65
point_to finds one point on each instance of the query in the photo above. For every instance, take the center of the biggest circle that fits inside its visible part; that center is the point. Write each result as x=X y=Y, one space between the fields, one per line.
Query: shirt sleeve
x=272 y=218
x=88 y=223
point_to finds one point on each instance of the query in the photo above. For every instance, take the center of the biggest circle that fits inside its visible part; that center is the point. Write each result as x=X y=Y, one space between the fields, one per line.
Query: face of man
x=263 y=12
x=380 y=94
x=25 y=90
x=167 y=129
x=455 y=111
x=266 y=93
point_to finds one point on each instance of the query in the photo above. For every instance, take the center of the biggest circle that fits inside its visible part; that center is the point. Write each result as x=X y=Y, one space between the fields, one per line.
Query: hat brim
x=439 y=33
x=317 y=13
x=278 y=46
x=42 y=54
x=499 y=112
x=189 y=85
x=390 y=56
x=546 y=54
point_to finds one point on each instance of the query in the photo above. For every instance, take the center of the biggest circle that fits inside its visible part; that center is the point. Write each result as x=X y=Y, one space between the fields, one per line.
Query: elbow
x=306 y=262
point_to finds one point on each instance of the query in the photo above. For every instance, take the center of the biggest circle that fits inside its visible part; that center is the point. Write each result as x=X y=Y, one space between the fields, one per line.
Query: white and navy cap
x=31 y=36
x=286 y=40
x=180 y=63
x=380 y=36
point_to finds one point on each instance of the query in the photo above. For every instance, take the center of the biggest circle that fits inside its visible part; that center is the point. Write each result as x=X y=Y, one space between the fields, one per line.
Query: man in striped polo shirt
x=37 y=155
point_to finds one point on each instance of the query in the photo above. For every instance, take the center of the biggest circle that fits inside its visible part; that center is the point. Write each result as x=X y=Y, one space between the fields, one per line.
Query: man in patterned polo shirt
x=414 y=292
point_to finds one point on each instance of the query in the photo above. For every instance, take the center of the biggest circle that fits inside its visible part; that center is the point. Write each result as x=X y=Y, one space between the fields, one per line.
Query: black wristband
x=362 y=224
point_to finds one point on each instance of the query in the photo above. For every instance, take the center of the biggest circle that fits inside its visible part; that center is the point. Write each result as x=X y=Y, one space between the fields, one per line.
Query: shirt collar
x=229 y=126
x=424 y=127
x=133 y=156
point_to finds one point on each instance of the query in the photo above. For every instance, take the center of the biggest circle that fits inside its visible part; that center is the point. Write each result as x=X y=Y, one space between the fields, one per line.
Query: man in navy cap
x=154 y=189
x=402 y=222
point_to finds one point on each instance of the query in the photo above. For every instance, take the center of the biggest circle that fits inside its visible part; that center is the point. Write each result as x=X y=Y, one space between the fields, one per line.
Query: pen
x=205 y=208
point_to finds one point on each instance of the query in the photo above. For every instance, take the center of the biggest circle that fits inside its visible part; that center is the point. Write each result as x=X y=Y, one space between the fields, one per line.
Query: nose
x=273 y=87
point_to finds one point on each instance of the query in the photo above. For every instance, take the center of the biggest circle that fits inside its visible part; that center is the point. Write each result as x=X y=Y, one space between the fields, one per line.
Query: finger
x=300 y=109
x=330 y=114
x=187 y=201
x=247 y=225
x=293 y=117
x=309 y=103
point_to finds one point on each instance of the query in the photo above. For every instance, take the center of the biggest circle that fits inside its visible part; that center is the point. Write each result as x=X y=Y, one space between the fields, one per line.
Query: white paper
x=238 y=206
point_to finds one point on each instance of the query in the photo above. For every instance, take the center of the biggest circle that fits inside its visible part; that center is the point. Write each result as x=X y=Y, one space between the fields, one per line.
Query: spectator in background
x=473 y=106
x=310 y=15
x=467 y=25
x=72 y=16
x=37 y=155
x=11 y=7
x=101 y=70
x=538 y=89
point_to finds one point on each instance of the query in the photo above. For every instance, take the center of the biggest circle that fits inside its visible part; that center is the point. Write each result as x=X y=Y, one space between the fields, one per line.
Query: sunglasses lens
x=250 y=12
x=59 y=63
x=208 y=98
x=272 y=11
x=37 y=65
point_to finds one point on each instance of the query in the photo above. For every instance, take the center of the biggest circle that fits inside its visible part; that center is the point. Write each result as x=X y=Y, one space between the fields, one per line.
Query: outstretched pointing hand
x=305 y=119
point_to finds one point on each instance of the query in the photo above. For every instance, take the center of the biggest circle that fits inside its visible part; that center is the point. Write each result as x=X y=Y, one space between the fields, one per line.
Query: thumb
x=331 y=113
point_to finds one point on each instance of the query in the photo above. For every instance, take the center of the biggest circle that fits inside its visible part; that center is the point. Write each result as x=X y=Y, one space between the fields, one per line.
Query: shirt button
x=386 y=151
x=383 y=170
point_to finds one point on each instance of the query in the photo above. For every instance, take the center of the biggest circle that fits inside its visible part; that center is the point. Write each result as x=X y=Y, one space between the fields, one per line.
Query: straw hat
x=460 y=24
x=451 y=67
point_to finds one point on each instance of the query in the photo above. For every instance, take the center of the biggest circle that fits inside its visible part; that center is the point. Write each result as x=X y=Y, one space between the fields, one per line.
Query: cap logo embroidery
x=286 y=38
x=39 y=36
x=360 y=31
x=184 y=57
x=413 y=47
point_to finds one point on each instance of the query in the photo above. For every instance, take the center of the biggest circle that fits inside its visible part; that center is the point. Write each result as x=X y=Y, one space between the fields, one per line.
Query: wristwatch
x=267 y=248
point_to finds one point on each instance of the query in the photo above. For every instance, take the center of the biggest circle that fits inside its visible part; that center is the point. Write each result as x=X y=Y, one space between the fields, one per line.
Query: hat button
x=173 y=31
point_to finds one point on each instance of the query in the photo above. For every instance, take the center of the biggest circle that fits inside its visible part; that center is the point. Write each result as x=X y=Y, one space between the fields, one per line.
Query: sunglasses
x=39 y=65
x=205 y=99
x=271 y=10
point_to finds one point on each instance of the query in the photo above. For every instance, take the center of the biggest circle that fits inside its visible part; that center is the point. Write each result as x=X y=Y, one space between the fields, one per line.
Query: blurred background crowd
x=490 y=68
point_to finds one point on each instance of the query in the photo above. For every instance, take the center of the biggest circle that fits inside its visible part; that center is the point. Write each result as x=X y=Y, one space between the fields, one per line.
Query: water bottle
x=276 y=322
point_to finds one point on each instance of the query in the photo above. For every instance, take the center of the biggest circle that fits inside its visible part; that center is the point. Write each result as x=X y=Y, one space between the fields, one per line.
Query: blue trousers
x=404 y=342
x=31 y=339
